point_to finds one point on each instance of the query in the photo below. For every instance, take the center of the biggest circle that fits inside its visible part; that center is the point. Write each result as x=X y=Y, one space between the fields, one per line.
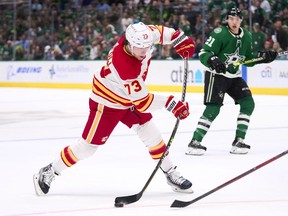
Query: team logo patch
x=104 y=139
x=221 y=94
x=218 y=30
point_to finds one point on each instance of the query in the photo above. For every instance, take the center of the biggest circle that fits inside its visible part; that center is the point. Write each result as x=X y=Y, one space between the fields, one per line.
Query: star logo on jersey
x=234 y=57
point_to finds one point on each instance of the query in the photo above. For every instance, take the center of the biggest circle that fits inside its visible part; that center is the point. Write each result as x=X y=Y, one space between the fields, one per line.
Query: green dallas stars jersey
x=229 y=48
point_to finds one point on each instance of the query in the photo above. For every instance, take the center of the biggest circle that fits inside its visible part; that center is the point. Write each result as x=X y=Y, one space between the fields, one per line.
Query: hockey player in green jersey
x=226 y=45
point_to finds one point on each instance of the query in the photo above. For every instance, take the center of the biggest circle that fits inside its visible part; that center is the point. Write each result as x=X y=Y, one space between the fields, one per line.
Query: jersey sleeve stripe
x=100 y=90
x=143 y=104
x=161 y=30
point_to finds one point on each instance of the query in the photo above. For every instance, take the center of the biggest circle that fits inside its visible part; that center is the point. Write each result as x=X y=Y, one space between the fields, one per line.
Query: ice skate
x=43 y=179
x=195 y=148
x=177 y=182
x=239 y=147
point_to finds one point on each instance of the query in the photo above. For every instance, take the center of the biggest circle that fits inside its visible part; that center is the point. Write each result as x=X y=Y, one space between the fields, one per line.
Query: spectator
x=276 y=47
x=36 y=6
x=198 y=47
x=267 y=45
x=126 y=20
x=71 y=20
x=24 y=43
x=258 y=13
x=102 y=6
x=58 y=55
x=174 y=21
x=266 y=6
x=45 y=40
x=166 y=52
x=184 y=25
x=279 y=34
x=94 y=51
x=258 y=38
x=37 y=53
x=6 y=50
x=48 y=53
x=19 y=53
x=167 y=11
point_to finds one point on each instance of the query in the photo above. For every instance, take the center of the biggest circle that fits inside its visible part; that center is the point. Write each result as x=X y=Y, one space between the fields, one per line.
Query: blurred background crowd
x=87 y=29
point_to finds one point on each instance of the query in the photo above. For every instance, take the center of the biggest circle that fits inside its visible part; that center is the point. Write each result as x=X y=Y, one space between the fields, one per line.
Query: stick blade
x=128 y=199
x=180 y=204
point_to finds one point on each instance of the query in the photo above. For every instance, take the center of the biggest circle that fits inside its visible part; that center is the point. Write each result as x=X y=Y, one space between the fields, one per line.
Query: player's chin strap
x=130 y=49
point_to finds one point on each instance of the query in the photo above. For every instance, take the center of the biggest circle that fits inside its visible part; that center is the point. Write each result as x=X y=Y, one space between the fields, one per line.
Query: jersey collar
x=236 y=36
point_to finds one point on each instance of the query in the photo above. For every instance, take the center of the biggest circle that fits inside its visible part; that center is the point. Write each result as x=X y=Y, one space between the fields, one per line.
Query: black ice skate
x=239 y=147
x=177 y=182
x=43 y=179
x=195 y=148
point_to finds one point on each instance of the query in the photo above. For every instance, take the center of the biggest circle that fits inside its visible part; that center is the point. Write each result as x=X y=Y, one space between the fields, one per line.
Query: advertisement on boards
x=163 y=75
x=273 y=75
x=48 y=71
x=171 y=72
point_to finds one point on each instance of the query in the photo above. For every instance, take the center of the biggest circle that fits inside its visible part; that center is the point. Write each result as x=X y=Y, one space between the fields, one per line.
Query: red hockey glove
x=183 y=45
x=178 y=108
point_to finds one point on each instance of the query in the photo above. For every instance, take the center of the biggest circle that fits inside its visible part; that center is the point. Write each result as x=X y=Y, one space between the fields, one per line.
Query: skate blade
x=197 y=152
x=179 y=190
x=236 y=150
x=37 y=188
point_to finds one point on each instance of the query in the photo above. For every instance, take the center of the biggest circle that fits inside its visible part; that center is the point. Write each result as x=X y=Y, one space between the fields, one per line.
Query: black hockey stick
x=124 y=200
x=258 y=59
x=181 y=204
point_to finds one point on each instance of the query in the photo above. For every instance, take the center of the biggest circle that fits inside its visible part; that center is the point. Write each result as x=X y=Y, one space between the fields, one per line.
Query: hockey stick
x=258 y=59
x=248 y=61
x=124 y=200
x=181 y=204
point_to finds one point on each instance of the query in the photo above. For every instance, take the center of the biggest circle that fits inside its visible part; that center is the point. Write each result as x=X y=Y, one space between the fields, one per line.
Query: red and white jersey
x=120 y=83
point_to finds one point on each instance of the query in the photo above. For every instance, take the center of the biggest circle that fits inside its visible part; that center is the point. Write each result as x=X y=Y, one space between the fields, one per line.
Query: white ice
x=35 y=124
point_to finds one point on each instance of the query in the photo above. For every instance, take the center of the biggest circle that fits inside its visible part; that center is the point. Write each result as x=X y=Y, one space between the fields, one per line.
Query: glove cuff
x=171 y=103
x=177 y=37
x=210 y=59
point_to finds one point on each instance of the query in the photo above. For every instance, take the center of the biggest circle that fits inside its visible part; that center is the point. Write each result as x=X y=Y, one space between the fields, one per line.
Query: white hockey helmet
x=139 y=35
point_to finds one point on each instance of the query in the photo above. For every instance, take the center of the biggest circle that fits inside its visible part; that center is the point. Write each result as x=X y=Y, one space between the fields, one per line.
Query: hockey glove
x=178 y=108
x=268 y=56
x=183 y=45
x=216 y=64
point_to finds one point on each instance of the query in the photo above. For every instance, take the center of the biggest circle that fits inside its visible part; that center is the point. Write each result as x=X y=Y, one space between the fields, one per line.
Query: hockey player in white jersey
x=119 y=94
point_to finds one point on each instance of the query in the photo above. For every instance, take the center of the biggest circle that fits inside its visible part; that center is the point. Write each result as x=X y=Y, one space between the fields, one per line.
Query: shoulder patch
x=218 y=30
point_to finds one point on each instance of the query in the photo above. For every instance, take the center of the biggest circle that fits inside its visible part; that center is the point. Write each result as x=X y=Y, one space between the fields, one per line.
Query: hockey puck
x=119 y=205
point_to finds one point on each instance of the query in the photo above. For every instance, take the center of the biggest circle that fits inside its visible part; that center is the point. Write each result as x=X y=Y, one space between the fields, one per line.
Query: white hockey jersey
x=120 y=83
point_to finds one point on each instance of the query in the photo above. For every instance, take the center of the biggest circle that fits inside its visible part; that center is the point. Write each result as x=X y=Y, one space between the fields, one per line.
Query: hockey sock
x=210 y=113
x=246 y=109
x=70 y=155
x=151 y=137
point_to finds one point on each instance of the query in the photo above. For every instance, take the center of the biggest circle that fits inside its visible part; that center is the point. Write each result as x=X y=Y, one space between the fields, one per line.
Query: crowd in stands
x=87 y=29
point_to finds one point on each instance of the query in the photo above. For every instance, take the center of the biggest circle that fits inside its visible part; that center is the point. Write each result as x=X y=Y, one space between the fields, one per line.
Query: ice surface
x=35 y=124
